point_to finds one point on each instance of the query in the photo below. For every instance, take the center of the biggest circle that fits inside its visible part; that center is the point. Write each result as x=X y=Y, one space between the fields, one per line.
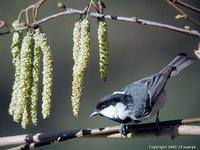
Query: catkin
x=35 y=82
x=41 y=40
x=16 y=46
x=103 y=48
x=25 y=117
x=80 y=65
x=76 y=40
x=23 y=95
x=76 y=76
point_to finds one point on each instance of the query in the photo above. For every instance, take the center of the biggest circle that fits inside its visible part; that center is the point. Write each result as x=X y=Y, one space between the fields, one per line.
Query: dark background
x=136 y=51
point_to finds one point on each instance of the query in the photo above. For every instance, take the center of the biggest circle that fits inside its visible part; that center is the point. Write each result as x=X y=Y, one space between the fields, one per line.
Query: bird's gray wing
x=137 y=104
x=155 y=85
x=144 y=94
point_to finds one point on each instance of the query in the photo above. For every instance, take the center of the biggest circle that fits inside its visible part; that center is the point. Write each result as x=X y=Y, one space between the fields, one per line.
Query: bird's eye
x=101 y=106
x=116 y=100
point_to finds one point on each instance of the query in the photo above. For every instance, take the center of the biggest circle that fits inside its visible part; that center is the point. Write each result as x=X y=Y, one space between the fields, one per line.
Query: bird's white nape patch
x=118 y=92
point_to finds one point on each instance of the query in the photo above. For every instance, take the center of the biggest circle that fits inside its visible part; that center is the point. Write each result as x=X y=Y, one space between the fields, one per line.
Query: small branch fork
x=69 y=11
x=35 y=7
x=172 y=128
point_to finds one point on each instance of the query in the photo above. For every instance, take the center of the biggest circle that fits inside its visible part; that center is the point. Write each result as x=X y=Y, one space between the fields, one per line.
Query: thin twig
x=34 y=8
x=2 y=23
x=186 y=5
x=89 y=8
x=4 y=33
x=186 y=16
x=171 y=128
x=190 y=121
x=117 y=18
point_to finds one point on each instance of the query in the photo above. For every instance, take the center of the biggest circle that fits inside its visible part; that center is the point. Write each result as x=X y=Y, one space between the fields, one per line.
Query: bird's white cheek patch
x=109 y=112
x=121 y=111
x=116 y=112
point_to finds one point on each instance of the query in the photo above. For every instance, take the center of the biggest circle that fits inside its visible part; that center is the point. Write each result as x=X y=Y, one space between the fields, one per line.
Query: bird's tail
x=181 y=61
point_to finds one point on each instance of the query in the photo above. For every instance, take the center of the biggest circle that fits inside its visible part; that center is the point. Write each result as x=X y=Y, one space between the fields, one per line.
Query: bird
x=142 y=99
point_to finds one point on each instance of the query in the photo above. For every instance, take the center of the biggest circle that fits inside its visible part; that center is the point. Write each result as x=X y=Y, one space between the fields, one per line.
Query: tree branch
x=186 y=5
x=117 y=18
x=171 y=128
x=186 y=16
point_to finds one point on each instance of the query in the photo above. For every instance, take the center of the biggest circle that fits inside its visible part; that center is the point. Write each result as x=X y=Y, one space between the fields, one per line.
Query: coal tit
x=141 y=99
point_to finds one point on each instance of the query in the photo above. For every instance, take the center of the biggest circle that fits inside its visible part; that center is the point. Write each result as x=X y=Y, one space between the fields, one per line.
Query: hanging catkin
x=23 y=96
x=76 y=52
x=76 y=40
x=41 y=40
x=77 y=45
x=16 y=47
x=103 y=48
x=35 y=82
x=80 y=62
x=25 y=117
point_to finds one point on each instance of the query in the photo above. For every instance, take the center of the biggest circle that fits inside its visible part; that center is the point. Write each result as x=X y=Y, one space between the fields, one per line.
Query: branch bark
x=116 y=18
x=186 y=16
x=172 y=128
x=186 y=5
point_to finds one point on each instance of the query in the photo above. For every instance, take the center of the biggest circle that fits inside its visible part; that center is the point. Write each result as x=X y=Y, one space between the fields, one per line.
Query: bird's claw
x=157 y=127
x=123 y=130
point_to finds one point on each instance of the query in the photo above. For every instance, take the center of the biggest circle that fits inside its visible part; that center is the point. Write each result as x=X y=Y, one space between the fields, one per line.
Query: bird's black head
x=111 y=99
x=111 y=105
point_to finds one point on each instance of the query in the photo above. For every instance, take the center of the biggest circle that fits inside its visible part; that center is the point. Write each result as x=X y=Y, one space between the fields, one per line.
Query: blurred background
x=135 y=52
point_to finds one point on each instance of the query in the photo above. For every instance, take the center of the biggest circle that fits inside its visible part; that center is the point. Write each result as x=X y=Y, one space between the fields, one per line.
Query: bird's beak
x=94 y=113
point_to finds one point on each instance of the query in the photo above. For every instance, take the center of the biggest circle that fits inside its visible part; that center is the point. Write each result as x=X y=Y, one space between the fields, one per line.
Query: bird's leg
x=157 y=124
x=122 y=129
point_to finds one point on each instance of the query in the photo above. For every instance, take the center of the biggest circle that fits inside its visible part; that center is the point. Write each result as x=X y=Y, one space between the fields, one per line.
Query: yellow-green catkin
x=41 y=40
x=16 y=47
x=76 y=40
x=103 y=48
x=25 y=117
x=80 y=66
x=77 y=44
x=35 y=81
x=76 y=76
x=23 y=96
